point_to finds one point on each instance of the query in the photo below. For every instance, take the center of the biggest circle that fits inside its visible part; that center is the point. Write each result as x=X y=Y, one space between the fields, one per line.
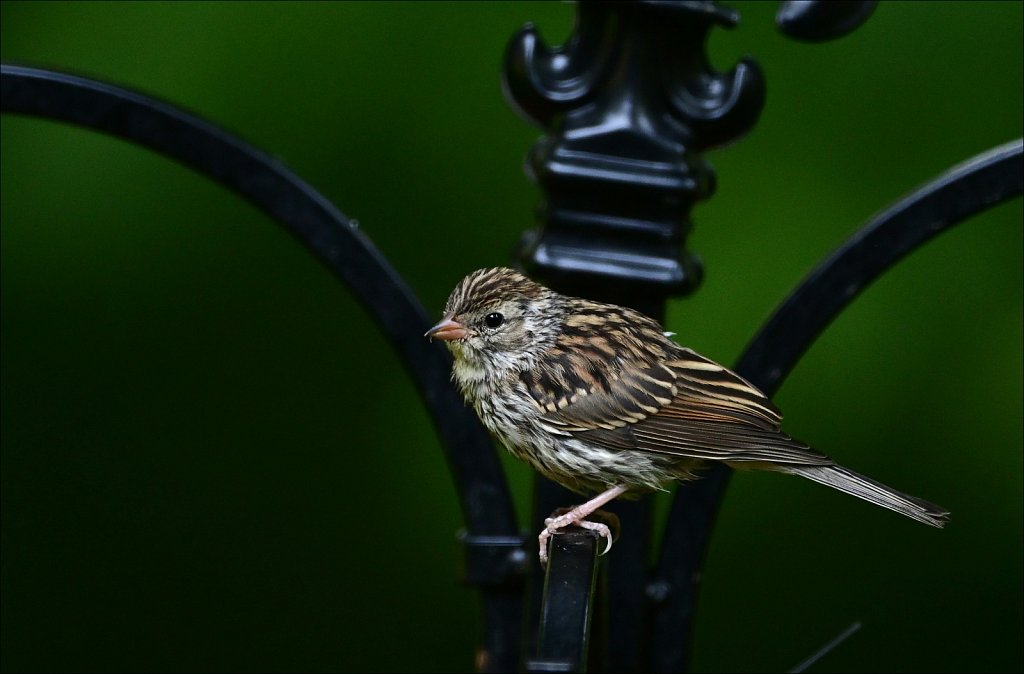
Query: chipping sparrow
x=597 y=398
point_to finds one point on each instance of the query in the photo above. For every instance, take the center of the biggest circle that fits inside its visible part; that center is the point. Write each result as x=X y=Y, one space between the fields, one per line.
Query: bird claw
x=553 y=524
x=602 y=530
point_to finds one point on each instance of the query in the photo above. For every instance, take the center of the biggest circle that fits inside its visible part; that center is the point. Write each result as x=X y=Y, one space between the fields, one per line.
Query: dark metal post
x=568 y=604
x=630 y=103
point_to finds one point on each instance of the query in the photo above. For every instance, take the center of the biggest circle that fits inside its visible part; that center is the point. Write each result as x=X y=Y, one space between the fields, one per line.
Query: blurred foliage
x=212 y=462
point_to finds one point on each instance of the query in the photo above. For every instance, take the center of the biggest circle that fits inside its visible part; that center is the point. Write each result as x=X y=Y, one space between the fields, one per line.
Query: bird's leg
x=578 y=517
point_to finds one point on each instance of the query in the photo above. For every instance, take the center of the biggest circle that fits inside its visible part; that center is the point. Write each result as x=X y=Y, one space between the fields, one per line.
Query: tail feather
x=852 y=483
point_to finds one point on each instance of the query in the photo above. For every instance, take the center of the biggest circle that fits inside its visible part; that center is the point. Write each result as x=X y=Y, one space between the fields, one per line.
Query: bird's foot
x=571 y=517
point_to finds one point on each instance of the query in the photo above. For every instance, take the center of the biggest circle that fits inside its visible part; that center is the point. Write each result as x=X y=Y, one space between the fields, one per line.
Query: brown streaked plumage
x=598 y=398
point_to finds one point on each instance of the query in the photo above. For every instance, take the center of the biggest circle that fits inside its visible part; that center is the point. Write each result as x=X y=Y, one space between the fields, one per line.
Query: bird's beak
x=448 y=329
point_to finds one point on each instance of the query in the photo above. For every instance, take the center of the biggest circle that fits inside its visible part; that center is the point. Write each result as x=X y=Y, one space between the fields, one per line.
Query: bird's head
x=498 y=321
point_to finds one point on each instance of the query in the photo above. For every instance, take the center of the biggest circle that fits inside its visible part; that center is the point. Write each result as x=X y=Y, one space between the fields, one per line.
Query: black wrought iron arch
x=963 y=191
x=494 y=548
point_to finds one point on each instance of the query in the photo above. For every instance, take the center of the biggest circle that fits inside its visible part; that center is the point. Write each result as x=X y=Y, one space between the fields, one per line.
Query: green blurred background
x=212 y=461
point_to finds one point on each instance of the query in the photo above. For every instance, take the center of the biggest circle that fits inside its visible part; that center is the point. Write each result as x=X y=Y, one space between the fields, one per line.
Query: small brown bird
x=597 y=398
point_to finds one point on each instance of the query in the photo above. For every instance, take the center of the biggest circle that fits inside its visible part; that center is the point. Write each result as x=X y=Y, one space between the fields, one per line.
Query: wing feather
x=686 y=405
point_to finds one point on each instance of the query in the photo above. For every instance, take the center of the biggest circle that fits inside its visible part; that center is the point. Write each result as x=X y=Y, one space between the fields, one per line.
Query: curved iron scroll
x=818 y=20
x=965 y=190
x=494 y=548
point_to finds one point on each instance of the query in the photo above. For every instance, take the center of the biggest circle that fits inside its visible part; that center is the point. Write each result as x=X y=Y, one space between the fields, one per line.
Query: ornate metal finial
x=630 y=103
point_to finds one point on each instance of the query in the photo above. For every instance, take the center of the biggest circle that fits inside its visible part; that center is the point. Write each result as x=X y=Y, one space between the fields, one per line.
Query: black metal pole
x=630 y=103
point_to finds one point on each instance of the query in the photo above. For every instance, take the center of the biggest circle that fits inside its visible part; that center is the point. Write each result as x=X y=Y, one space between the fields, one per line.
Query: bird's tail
x=852 y=483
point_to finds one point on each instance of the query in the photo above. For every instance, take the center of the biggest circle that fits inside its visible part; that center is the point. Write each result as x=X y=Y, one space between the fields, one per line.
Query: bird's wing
x=686 y=405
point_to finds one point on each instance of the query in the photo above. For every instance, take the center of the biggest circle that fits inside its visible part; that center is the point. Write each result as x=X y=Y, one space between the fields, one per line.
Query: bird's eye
x=493 y=320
